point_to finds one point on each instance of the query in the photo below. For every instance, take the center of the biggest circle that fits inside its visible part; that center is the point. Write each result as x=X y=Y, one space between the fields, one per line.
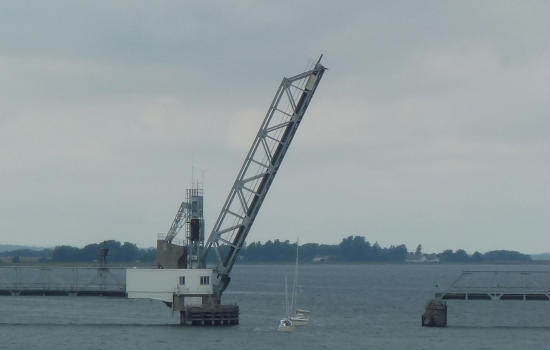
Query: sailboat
x=300 y=316
x=285 y=324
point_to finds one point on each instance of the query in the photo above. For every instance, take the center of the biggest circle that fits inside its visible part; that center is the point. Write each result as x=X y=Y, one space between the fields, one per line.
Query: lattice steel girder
x=259 y=169
x=498 y=285
x=178 y=222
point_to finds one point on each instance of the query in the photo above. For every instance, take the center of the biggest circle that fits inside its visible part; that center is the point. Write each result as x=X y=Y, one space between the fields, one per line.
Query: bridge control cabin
x=190 y=286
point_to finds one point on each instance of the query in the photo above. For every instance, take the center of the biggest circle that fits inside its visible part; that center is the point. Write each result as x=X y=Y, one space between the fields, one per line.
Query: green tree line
x=495 y=256
x=118 y=252
x=350 y=250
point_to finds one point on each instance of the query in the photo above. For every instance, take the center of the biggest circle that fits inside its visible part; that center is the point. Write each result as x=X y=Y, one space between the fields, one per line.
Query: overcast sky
x=431 y=126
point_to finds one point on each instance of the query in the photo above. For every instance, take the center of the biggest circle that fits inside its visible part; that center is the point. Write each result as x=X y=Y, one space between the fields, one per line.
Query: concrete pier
x=435 y=314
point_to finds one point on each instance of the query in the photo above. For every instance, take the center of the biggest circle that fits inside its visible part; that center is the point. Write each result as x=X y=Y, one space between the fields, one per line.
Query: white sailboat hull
x=286 y=329
x=286 y=325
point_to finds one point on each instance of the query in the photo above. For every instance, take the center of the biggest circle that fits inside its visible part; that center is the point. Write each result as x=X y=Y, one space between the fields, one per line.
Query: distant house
x=431 y=258
x=320 y=259
x=422 y=259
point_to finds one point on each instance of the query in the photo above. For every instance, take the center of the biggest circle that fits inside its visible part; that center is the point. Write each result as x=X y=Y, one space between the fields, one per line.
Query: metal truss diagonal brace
x=258 y=171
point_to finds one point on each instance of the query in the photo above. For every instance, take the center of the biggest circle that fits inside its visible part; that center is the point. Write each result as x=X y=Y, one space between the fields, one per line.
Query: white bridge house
x=166 y=284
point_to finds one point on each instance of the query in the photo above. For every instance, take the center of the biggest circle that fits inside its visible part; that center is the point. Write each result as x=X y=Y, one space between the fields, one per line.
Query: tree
x=397 y=254
x=418 y=250
x=461 y=256
x=477 y=257
x=128 y=252
x=446 y=256
x=353 y=248
x=505 y=256
x=65 y=253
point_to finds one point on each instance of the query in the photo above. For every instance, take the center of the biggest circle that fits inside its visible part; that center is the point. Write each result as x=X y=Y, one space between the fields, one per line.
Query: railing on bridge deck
x=49 y=280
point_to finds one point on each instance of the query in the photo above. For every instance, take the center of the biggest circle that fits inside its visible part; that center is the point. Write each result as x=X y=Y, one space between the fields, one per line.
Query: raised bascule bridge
x=182 y=279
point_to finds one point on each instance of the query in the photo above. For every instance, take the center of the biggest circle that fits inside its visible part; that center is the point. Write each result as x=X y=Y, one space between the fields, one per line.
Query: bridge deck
x=62 y=281
x=499 y=285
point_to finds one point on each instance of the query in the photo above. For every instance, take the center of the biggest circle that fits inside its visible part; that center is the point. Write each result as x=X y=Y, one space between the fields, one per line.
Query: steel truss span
x=259 y=169
x=498 y=285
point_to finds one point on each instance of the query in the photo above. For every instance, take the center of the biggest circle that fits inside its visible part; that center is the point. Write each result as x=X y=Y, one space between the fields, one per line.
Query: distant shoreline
x=150 y=265
x=354 y=250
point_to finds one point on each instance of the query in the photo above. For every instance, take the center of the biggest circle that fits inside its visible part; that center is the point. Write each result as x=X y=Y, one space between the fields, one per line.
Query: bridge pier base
x=210 y=315
x=435 y=314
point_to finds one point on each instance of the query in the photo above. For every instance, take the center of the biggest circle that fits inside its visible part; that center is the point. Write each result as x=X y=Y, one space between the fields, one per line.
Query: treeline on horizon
x=353 y=249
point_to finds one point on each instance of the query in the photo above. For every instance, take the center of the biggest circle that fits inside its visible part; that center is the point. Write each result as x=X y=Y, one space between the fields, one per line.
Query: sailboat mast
x=295 y=283
x=287 y=308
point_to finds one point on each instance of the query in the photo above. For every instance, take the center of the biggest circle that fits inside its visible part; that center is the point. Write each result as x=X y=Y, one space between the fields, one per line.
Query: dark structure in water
x=435 y=314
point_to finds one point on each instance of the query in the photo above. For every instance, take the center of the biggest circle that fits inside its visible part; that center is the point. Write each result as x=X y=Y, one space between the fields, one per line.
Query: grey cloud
x=431 y=125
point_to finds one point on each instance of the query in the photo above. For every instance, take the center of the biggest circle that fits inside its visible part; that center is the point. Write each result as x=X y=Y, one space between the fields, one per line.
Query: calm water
x=353 y=306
